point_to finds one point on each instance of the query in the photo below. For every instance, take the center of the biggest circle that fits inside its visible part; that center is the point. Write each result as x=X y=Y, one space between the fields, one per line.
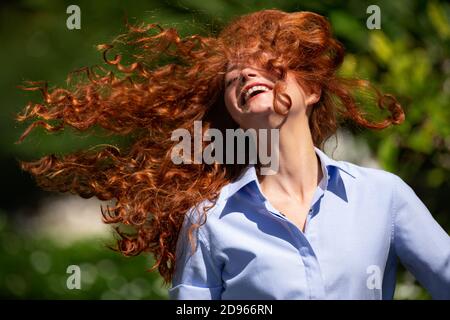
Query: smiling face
x=249 y=97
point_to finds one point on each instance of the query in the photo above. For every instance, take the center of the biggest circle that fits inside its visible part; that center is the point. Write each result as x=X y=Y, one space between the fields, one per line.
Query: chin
x=260 y=117
x=258 y=109
x=258 y=106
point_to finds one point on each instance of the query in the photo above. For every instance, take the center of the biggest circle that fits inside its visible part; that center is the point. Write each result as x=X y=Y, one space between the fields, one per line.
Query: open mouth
x=252 y=91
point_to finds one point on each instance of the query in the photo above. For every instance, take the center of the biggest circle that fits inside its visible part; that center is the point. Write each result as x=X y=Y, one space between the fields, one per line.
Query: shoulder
x=206 y=214
x=211 y=208
x=379 y=180
x=379 y=188
x=374 y=182
x=213 y=216
x=368 y=174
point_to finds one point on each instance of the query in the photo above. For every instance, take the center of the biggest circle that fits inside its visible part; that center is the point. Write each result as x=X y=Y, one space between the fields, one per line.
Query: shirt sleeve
x=196 y=276
x=422 y=245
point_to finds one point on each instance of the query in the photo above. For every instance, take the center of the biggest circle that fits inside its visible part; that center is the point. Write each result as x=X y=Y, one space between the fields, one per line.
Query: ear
x=312 y=94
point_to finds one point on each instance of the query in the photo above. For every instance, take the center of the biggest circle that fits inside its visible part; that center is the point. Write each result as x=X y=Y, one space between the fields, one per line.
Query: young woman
x=316 y=229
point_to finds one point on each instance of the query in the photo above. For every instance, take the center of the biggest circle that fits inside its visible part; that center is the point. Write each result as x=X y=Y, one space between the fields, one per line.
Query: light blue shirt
x=361 y=220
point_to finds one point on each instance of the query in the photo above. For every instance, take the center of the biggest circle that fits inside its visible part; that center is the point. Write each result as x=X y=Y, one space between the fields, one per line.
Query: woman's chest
x=269 y=253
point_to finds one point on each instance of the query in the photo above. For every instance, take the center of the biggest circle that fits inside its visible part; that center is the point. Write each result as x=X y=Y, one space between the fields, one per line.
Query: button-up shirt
x=361 y=220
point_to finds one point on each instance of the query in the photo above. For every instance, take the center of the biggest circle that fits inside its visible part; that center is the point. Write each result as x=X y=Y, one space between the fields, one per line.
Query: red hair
x=172 y=82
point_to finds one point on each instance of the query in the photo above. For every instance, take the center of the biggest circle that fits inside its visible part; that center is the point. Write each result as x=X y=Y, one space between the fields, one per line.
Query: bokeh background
x=41 y=233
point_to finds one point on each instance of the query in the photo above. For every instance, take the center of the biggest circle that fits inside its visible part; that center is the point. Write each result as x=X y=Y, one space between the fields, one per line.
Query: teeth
x=253 y=89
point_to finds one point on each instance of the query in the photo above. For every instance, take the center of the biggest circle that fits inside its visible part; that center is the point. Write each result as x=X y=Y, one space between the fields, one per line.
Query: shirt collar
x=249 y=174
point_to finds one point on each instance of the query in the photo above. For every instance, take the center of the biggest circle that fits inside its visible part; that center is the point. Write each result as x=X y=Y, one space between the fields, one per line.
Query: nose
x=246 y=74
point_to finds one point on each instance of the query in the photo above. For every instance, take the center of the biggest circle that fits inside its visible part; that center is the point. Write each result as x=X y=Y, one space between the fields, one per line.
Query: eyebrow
x=234 y=66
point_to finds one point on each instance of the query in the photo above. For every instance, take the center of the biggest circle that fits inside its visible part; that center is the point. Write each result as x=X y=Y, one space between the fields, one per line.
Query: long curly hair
x=168 y=83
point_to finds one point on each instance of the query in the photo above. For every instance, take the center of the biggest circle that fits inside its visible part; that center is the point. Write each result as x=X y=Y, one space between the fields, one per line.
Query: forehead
x=231 y=66
x=238 y=65
x=256 y=60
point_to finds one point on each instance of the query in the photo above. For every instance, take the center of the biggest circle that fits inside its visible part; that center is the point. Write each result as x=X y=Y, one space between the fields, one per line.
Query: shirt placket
x=313 y=271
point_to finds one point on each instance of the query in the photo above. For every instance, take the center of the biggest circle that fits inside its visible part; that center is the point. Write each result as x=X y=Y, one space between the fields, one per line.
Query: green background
x=408 y=56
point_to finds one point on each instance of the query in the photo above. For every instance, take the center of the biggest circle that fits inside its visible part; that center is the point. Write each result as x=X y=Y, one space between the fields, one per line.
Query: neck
x=299 y=170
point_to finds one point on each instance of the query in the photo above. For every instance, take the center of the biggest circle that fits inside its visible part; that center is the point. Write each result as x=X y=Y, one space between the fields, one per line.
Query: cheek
x=230 y=101
x=296 y=93
x=230 y=105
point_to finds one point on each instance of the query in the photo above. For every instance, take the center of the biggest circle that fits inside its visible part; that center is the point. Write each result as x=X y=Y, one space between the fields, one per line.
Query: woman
x=316 y=229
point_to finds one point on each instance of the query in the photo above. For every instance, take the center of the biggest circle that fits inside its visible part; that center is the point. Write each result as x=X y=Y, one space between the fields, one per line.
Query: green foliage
x=35 y=267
